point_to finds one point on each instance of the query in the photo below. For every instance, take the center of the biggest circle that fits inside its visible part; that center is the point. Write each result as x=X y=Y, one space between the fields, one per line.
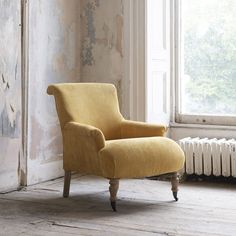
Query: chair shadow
x=86 y=206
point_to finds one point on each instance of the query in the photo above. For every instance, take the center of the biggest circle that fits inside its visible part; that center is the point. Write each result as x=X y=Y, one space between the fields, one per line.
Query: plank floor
x=145 y=207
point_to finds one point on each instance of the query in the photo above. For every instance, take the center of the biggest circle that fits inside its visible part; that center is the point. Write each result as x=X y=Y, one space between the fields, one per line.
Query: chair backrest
x=93 y=104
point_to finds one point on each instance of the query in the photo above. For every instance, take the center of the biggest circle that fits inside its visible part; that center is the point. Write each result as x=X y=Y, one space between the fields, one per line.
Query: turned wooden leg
x=67 y=179
x=114 y=186
x=175 y=185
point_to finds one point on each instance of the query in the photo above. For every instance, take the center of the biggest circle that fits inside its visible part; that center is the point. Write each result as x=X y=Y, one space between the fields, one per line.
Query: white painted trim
x=24 y=79
x=201 y=126
x=146 y=59
x=135 y=57
x=206 y=119
x=172 y=62
x=37 y=170
x=174 y=39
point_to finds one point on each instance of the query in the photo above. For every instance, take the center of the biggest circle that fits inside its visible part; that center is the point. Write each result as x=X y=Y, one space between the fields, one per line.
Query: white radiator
x=209 y=156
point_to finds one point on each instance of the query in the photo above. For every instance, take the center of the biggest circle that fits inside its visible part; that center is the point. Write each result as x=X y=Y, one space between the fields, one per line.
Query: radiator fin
x=209 y=156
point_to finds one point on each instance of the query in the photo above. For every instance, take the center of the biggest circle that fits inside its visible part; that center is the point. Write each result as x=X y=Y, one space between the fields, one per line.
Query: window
x=206 y=61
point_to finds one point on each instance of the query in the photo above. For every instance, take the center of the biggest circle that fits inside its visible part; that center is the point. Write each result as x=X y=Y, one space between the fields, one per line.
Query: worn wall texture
x=10 y=93
x=54 y=56
x=56 y=28
x=102 y=42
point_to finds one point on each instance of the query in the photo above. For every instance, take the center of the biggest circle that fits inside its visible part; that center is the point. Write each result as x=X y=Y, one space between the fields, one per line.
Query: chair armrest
x=135 y=129
x=88 y=133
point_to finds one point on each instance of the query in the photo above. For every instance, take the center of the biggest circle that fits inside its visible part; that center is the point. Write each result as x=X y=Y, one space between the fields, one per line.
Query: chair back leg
x=175 y=185
x=67 y=179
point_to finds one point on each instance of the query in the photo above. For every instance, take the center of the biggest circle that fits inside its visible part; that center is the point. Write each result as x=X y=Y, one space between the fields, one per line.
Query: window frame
x=179 y=117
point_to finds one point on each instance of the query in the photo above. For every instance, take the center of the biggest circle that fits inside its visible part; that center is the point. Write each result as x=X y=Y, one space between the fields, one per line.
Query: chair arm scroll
x=77 y=130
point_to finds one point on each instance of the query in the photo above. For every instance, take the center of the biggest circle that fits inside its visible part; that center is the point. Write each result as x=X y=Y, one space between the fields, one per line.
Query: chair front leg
x=114 y=186
x=175 y=185
x=67 y=179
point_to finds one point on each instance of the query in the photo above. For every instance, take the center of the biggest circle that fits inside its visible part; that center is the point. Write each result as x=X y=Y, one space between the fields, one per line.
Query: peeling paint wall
x=54 y=56
x=10 y=93
x=56 y=28
x=102 y=43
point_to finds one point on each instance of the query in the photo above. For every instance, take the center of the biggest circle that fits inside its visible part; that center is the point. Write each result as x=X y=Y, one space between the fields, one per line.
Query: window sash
x=180 y=117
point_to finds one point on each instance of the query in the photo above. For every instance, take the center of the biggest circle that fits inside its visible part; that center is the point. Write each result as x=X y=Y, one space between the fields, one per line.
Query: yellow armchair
x=98 y=140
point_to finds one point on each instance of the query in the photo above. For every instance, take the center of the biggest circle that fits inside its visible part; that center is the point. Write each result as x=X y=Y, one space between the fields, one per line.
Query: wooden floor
x=145 y=207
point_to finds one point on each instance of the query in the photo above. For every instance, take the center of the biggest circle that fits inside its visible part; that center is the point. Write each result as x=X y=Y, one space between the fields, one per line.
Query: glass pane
x=208 y=54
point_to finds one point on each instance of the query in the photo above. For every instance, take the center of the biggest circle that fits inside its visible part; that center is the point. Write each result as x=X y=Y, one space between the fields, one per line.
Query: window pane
x=208 y=55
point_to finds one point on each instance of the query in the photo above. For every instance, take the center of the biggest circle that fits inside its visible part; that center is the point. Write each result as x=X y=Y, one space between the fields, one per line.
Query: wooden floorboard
x=145 y=207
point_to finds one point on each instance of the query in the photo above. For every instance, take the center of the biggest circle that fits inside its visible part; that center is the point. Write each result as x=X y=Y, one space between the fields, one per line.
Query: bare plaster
x=57 y=28
x=9 y=70
x=89 y=38
x=102 y=42
x=54 y=52
x=10 y=94
x=119 y=38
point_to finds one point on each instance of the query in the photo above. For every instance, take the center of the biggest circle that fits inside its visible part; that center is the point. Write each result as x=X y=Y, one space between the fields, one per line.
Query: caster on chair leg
x=175 y=196
x=113 y=205
x=175 y=184
x=114 y=185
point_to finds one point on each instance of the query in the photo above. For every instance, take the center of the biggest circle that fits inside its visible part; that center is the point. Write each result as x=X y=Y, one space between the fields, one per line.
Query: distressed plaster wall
x=102 y=43
x=56 y=29
x=54 y=56
x=10 y=93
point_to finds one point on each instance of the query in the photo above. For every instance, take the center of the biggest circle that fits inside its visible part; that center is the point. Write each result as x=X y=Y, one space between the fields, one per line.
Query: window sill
x=178 y=131
x=202 y=126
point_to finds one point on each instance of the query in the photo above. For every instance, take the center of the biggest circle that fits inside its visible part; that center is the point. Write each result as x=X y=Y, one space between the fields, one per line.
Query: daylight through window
x=207 y=57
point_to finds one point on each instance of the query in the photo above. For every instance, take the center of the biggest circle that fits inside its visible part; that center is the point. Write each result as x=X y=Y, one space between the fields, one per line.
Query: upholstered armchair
x=97 y=139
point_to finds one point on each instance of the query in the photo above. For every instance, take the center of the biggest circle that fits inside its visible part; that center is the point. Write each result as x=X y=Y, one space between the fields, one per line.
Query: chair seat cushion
x=140 y=157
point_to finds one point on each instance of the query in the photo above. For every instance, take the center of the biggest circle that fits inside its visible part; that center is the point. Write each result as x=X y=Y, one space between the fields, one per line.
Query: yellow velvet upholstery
x=140 y=157
x=98 y=140
x=92 y=104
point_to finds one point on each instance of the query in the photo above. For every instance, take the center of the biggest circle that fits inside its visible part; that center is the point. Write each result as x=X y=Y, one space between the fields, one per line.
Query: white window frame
x=134 y=85
x=176 y=67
